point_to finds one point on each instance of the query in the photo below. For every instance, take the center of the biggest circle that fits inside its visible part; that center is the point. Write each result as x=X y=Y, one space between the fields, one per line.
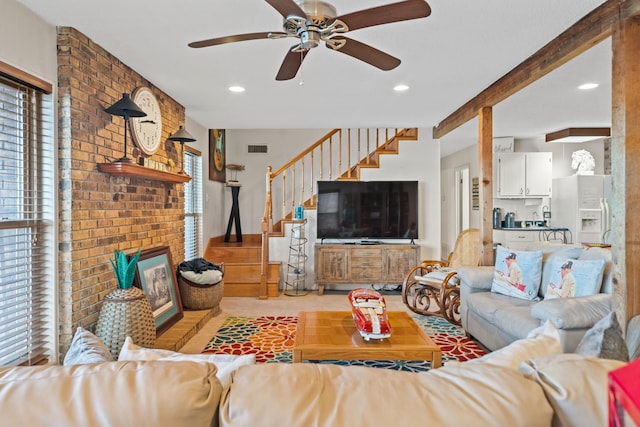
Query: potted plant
x=124 y=269
x=125 y=311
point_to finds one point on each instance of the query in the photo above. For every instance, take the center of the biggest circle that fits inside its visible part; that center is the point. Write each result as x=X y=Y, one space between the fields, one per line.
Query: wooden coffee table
x=332 y=335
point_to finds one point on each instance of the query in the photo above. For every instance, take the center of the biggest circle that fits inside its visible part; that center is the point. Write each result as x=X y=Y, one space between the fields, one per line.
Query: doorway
x=462 y=198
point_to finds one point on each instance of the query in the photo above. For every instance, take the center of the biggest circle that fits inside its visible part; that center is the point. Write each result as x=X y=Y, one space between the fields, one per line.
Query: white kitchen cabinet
x=523 y=175
x=514 y=238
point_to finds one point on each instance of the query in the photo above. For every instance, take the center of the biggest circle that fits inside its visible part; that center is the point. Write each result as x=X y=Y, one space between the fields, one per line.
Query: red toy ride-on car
x=370 y=313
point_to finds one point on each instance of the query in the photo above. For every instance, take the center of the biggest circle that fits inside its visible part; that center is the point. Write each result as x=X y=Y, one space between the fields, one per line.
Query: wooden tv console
x=363 y=264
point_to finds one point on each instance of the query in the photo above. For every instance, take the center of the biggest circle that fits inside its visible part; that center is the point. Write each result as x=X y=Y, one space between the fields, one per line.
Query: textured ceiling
x=447 y=58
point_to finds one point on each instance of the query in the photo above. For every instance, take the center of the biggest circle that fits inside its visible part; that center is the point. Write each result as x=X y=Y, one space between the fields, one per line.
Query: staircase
x=242 y=265
x=248 y=271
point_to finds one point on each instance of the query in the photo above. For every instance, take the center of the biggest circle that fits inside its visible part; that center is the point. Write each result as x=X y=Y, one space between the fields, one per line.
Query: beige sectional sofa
x=496 y=320
x=528 y=383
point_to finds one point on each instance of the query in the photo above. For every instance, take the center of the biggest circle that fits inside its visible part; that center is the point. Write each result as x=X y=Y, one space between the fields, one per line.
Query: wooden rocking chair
x=437 y=282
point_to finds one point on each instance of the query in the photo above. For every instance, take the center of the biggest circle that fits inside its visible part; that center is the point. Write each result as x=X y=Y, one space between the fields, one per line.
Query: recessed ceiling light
x=401 y=88
x=588 y=86
x=236 y=88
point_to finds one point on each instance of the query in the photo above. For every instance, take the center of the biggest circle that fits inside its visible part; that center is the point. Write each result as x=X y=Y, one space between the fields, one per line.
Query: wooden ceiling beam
x=584 y=34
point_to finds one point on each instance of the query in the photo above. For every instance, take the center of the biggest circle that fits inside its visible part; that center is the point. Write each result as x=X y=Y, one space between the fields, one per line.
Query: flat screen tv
x=367 y=210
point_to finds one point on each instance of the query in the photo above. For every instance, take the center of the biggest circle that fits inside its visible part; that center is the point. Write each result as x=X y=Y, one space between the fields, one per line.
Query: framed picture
x=217 y=170
x=475 y=194
x=156 y=276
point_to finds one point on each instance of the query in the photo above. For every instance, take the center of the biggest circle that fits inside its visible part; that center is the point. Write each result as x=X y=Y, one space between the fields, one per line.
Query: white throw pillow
x=575 y=386
x=542 y=341
x=517 y=273
x=207 y=277
x=225 y=363
x=86 y=348
x=604 y=340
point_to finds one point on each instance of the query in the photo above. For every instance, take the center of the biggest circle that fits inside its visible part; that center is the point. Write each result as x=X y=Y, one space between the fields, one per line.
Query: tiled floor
x=282 y=305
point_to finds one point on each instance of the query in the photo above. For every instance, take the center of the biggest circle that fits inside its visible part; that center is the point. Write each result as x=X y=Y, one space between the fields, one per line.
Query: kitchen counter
x=520 y=237
x=534 y=228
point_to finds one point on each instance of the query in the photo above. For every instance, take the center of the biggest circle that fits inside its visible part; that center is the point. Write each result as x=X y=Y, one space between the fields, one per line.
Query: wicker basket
x=126 y=312
x=200 y=296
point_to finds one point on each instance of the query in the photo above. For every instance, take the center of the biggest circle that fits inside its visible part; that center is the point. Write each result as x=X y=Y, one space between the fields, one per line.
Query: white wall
x=282 y=145
x=28 y=42
x=448 y=165
x=213 y=201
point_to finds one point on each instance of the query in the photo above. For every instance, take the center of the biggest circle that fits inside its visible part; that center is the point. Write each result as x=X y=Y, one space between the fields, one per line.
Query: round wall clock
x=147 y=131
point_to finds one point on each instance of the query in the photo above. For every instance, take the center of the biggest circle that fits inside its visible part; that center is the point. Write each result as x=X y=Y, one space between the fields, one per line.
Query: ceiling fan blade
x=394 y=12
x=364 y=53
x=291 y=64
x=238 y=38
x=287 y=8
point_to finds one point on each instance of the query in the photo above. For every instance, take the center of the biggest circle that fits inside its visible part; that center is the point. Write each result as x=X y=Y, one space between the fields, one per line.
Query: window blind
x=192 y=205
x=27 y=305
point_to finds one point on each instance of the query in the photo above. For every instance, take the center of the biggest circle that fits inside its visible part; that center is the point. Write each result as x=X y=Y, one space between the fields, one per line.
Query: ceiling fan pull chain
x=301 y=82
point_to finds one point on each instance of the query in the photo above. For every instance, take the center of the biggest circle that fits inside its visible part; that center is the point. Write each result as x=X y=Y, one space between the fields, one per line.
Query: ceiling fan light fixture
x=401 y=88
x=309 y=38
x=577 y=135
x=236 y=89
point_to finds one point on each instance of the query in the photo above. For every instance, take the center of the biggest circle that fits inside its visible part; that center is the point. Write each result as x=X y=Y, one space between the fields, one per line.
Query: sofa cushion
x=478 y=278
x=110 y=394
x=544 y=340
x=517 y=273
x=601 y=253
x=574 y=277
x=573 y=313
x=488 y=304
x=548 y=255
x=323 y=395
x=605 y=340
x=516 y=321
x=575 y=386
x=437 y=276
x=86 y=348
x=226 y=364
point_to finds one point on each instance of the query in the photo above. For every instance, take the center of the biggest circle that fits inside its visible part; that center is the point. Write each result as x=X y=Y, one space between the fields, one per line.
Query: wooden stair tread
x=243 y=265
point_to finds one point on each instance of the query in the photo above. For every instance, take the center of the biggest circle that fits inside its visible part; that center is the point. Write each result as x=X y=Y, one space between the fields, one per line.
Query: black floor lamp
x=126 y=108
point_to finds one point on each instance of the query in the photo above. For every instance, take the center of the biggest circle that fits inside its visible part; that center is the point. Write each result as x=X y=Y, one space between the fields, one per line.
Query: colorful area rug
x=271 y=339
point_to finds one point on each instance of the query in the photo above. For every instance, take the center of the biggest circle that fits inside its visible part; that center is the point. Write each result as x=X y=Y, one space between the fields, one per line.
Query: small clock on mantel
x=147 y=131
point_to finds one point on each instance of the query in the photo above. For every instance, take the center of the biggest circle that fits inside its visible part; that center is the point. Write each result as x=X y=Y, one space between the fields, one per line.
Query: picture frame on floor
x=155 y=275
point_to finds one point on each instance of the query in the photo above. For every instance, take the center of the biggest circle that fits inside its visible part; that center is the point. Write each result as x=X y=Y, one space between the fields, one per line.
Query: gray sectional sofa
x=496 y=320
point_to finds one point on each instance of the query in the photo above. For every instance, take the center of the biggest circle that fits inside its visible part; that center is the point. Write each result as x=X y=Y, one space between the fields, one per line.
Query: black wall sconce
x=181 y=136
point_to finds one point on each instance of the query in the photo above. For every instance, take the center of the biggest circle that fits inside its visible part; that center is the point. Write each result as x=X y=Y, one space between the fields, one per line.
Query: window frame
x=28 y=325
x=192 y=161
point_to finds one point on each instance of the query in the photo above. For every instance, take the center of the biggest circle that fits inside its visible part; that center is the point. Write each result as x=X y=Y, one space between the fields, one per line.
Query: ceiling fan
x=314 y=21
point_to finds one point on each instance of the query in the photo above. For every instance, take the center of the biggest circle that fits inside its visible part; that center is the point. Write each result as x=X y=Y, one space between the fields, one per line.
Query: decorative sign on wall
x=217 y=170
x=475 y=194
x=503 y=144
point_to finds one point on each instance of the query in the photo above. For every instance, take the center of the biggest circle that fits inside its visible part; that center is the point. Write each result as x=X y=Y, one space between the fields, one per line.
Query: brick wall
x=99 y=212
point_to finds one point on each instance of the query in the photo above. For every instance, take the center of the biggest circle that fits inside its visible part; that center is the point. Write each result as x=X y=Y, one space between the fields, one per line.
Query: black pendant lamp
x=126 y=108
x=182 y=136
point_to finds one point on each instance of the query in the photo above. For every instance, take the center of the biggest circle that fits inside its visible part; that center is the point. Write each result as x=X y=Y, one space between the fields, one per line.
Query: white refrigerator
x=581 y=203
